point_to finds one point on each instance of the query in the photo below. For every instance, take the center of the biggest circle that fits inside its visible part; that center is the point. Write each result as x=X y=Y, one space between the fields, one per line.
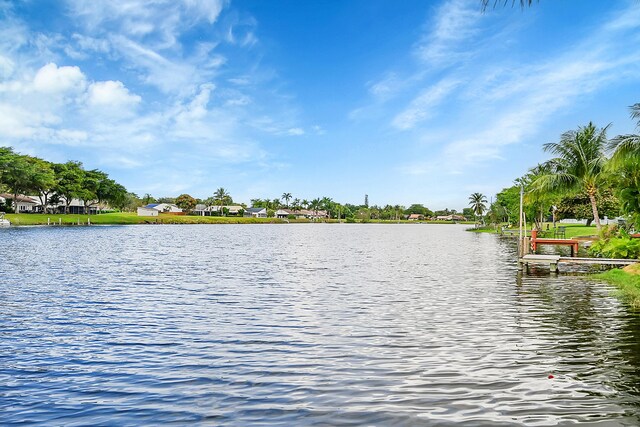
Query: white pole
x=520 y=241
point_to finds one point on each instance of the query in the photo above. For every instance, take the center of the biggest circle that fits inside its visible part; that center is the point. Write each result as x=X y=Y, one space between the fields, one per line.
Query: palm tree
x=221 y=195
x=626 y=146
x=477 y=202
x=286 y=197
x=579 y=165
x=327 y=204
x=314 y=205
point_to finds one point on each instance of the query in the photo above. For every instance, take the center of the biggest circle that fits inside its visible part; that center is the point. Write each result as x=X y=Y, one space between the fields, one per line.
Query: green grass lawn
x=628 y=285
x=571 y=230
x=121 y=218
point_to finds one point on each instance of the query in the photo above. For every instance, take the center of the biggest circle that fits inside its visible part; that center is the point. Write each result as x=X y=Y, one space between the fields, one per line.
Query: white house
x=283 y=213
x=23 y=204
x=256 y=212
x=204 y=210
x=144 y=211
x=164 y=207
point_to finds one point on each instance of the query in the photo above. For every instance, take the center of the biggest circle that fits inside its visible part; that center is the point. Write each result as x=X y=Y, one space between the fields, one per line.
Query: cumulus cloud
x=111 y=94
x=58 y=80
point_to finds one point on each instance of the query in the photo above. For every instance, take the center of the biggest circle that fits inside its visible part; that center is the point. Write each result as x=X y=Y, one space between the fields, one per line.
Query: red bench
x=535 y=241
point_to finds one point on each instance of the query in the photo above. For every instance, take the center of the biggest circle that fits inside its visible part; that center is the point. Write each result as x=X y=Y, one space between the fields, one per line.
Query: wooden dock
x=553 y=260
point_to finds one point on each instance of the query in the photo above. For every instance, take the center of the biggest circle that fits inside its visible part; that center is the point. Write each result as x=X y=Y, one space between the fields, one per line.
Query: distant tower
x=366 y=200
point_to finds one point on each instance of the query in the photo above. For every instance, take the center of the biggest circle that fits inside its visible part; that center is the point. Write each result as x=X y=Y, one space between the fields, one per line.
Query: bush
x=622 y=246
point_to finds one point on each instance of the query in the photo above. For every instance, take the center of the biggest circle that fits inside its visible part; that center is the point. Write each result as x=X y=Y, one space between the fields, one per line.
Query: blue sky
x=408 y=102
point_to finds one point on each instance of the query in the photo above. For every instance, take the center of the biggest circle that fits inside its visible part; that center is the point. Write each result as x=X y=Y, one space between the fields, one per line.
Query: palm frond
x=503 y=3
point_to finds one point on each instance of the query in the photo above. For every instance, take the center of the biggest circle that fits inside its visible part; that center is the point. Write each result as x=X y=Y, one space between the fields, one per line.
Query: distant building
x=415 y=217
x=453 y=217
x=23 y=204
x=256 y=212
x=283 y=213
x=164 y=207
x=145 y=211
x=204 y=210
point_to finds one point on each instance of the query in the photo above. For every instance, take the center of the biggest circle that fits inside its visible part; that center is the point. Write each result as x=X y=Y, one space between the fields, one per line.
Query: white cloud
x=111 y=94
x=456 y=21
x=422 y=107
x=160 y=21
x=59 y=80
x=295 y=132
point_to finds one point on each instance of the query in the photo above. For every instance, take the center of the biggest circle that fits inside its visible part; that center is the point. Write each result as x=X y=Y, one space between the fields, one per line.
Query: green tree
x=221 y=197
x=579 y=206
x=186 y=202
x=477 y=202
x=69 y=186
x=286 y=197
x=147 y=199
x=509 y=199
x=328 y=205
x=579 y=165
x=109 y=191
x=43 y=180
x=18 y=174
x=625 y=147
x=89 y=192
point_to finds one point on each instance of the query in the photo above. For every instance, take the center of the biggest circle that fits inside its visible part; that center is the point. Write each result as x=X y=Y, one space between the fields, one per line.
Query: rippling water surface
x=308 y=324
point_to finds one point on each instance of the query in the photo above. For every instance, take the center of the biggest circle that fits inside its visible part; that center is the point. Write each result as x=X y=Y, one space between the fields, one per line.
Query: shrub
x=622 y=246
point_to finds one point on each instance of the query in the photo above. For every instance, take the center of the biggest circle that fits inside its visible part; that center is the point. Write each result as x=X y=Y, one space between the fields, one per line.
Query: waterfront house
x=415 y=217
x=145 y=211
x=283 y=213
x=23 y=204
x=164 y=207
x=204 y=210
x=256 y=212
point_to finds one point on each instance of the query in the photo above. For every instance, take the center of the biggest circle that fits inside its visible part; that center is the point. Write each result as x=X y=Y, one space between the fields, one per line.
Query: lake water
x=303 y=324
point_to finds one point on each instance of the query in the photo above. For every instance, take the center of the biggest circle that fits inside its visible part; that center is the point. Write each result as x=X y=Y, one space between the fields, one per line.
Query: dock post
x=48 y=221
x=553 y=267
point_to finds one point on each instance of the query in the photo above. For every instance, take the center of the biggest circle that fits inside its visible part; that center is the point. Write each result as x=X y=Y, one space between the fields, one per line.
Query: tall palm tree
x=327 y=204
x=314 y=205
x=477 y=202
x=221 y=195
x=286 y=197
x=579 y=165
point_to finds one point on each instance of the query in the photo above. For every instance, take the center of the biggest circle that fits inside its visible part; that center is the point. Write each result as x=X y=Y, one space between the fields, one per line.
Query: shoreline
x=74 y=220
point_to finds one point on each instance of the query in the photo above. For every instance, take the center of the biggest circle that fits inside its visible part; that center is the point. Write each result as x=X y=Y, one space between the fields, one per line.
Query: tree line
x=362 y=212
x=57 y=183
x=589 y=176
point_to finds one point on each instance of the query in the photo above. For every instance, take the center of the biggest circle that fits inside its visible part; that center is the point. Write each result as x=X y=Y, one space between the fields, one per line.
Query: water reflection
x=303 y=325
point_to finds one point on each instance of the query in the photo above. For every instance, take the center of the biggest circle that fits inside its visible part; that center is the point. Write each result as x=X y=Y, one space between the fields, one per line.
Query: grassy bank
x=123 y=218
x=627 y=282
x=571 y=230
